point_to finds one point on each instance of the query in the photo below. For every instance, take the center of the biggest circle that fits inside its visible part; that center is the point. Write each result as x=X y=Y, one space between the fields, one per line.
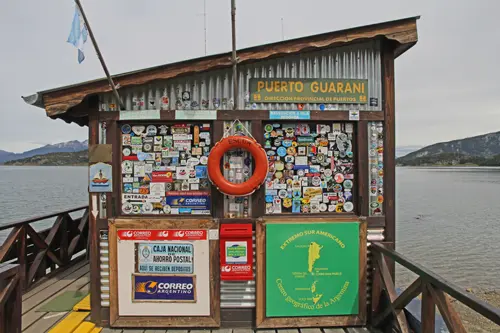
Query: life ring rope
x=259 y=173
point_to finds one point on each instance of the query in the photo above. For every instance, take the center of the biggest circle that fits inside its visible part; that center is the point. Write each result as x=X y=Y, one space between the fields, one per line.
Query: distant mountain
x=480 y=150
x=63 y=147
x=51 y=159
x=405 y=150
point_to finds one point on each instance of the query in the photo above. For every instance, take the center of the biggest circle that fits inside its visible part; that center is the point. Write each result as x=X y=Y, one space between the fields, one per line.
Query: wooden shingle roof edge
x=62 y=102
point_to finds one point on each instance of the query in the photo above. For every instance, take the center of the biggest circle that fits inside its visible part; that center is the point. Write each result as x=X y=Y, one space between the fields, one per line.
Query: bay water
x=447 y=218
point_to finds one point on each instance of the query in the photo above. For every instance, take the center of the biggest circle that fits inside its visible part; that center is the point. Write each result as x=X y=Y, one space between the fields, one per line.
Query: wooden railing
x=10 y=298
x=41 y=253
x=388 y=307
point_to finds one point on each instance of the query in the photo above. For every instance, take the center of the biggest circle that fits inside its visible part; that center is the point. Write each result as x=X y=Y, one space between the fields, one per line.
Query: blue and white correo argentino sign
x=163 y=288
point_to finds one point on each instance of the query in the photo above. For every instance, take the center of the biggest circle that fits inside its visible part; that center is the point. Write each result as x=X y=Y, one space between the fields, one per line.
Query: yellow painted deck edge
x=70 y=322
x=83 y=305
x=96 y=330
x=85 y=327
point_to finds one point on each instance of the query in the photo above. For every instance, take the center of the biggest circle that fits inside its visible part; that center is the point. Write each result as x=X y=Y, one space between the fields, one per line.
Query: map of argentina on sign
x=312 y=269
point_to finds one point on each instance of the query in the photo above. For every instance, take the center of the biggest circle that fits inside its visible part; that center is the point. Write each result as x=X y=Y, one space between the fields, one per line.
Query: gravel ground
x=474 y=322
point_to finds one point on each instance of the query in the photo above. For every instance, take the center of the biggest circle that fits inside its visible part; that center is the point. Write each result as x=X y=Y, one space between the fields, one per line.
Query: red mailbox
x=236 y=252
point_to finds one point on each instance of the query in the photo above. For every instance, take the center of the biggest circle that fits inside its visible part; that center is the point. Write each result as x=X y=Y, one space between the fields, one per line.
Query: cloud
x=446 y=84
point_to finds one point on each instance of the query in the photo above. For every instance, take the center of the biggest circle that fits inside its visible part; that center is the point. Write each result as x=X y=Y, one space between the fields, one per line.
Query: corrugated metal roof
x=59 y=100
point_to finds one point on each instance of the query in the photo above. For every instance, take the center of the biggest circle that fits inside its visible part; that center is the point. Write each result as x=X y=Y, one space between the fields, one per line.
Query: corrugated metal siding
x=104 y=266
x=241 y=294
x=242 y=212
x=360 y=61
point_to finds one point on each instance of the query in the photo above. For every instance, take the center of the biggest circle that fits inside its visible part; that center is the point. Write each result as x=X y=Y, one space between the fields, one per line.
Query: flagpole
x=234 y=58
x=99 y=55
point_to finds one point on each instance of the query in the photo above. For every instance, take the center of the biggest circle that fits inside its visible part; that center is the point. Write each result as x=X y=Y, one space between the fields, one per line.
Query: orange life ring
x=259 y=174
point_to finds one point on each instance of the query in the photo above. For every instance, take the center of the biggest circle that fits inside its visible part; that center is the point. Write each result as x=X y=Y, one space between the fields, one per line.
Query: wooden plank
x=428 y=310
x=450 y=316
x=220 y=330
x=111 y=330
x=244 y=330
x=96 y=330
x=85 y=327
x=155 y=331
x=356 y=330
x=133 y=331
x=333 y=330
x=53 y=289
x=310 y=330
x=288 y=331
x=83 y=305
x=70 y=322
x=33 y=318
x=56 y=278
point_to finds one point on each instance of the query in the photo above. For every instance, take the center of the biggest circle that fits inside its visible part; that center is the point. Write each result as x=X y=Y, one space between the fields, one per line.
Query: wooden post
x=428 y=313
x=95 y=276
x=389 y=145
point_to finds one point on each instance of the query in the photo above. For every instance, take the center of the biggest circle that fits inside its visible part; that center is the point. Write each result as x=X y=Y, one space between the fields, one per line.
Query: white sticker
x=234 y=207
x=195 y=187
x=182 y=173
x=157 y=189
x=353 y=115
x=236 y=162
x=301 y=160
x=213 y=234
x=177 y=137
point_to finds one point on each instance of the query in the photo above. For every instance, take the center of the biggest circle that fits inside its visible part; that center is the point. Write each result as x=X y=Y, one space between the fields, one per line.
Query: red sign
x=236 y=252
x=155 y=235
x=162 y=176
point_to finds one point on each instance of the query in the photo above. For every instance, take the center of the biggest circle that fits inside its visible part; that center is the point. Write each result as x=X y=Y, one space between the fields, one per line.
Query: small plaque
x=140 y=115
x=195 y=114
x=295 y=115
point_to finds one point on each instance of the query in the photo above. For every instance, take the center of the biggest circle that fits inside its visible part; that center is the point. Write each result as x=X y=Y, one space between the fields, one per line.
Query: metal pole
x=205 y=22
x=234 y=59
x=99 y=55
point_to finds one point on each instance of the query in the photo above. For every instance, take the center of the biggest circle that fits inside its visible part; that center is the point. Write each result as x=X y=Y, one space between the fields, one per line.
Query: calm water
x=448 y=219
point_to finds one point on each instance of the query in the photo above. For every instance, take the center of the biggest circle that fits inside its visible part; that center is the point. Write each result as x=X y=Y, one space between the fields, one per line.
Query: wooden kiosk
x=169 y=250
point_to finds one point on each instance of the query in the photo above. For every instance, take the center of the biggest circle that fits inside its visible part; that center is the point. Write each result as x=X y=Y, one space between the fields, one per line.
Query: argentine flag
x=78 y=34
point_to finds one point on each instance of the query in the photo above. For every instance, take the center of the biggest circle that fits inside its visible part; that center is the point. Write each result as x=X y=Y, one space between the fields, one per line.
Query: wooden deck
x=76 y=278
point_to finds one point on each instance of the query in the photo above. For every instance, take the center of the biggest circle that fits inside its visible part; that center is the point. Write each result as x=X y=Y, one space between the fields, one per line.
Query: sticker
x=126 y=129
x=282 y=151
x=348 y=184
x=353 y=115
x=339 y=178
x=138 y=129
x=348 y=206
x=126 y=152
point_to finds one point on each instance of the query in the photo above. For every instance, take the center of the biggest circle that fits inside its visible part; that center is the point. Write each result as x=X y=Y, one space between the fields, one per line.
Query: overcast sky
x=447 y=86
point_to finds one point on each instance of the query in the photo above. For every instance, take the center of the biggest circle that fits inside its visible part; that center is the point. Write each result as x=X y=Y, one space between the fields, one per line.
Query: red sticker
x=155 y=235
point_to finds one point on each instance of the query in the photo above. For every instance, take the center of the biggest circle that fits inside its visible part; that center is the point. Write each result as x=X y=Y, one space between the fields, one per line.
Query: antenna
x=205 y=22
x=282 y=30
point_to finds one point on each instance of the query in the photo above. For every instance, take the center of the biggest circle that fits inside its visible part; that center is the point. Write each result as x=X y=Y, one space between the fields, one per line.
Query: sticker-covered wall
x=311 y=167
x=164 y=168
x=344 y=67
x=376 y=167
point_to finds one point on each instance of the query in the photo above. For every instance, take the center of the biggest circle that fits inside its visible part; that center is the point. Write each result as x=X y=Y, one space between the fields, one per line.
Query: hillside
x=483 y=150
x=54 y=159
x=70 y=146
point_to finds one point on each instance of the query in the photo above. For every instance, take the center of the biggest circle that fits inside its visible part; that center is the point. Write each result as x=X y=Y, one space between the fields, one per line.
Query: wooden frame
x=315 y=321
x=156 y=321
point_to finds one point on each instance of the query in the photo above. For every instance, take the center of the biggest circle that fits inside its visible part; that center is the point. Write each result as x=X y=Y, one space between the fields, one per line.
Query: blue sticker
x=322 y=107
x=269 y=198
x=296 y=206
x=100 y=179
x=201 y=171
x=126 y=129
x=287 y=143
x=281 y=151
x=296 y=115
x=348 y=195
x=164 y=288
x=127 y=188
x=141 y=156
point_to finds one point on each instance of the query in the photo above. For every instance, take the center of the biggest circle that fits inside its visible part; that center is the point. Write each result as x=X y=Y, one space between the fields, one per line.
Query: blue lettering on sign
x=164 y=288
x=297 y=115
x=165 y=258
x=188 y=201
